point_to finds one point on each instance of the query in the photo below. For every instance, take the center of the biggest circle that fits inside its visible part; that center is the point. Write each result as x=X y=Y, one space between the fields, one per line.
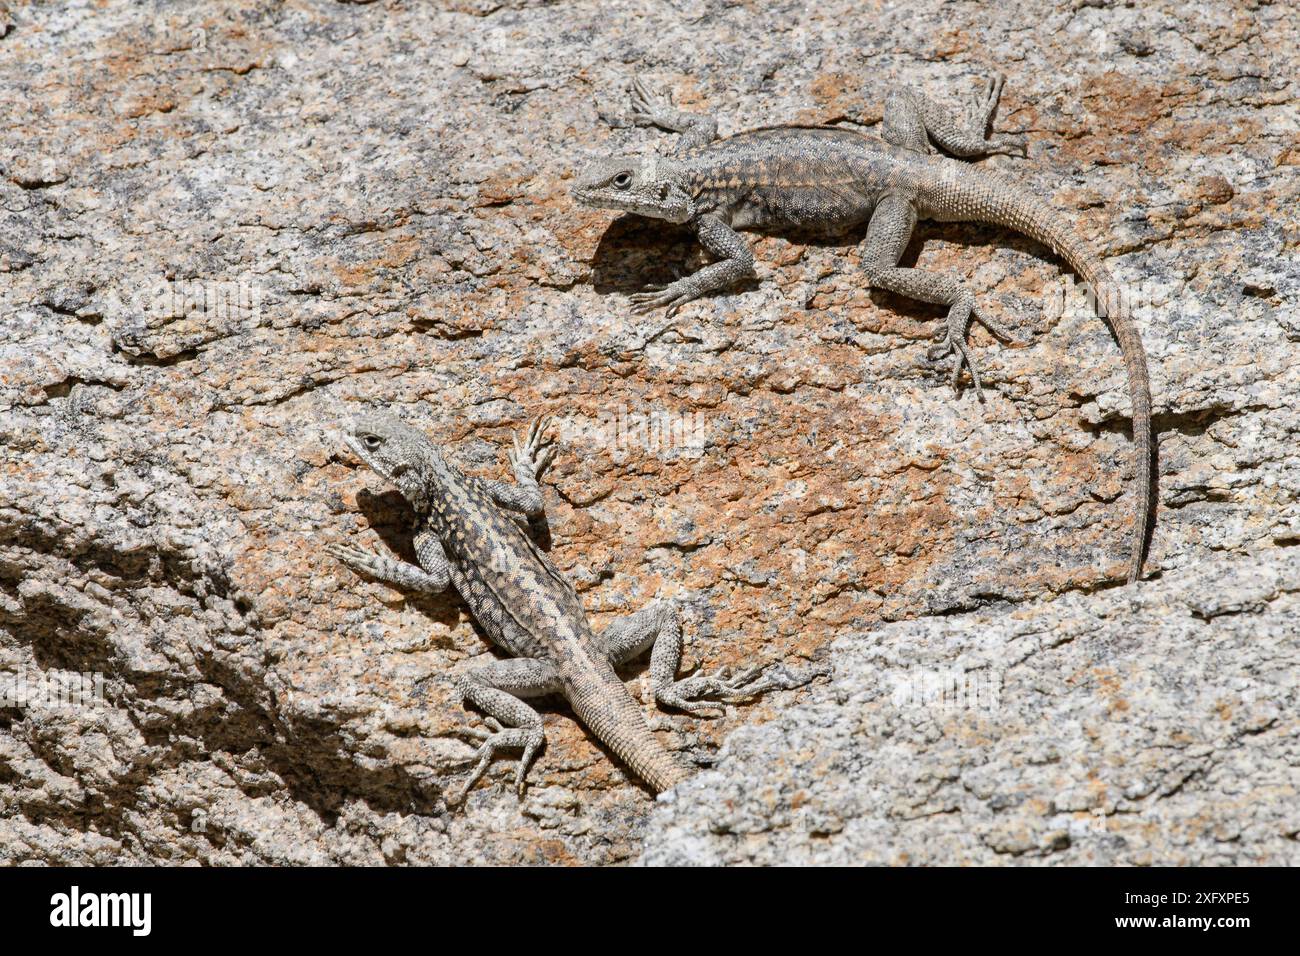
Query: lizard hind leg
x=887 y=236
x=901 y=124
x=496 y=689
x=659 y=627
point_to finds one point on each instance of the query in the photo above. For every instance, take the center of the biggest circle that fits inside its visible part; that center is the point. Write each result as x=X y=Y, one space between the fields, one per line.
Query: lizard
x=470 y=534
x=831 y=179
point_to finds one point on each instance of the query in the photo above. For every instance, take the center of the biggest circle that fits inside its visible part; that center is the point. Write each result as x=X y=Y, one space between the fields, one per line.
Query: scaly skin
x=830 y=179
x=470 y=535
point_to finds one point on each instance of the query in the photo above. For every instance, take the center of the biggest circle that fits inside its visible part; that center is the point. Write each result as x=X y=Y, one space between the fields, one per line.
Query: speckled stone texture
x=224 y=227
x=1136 y=726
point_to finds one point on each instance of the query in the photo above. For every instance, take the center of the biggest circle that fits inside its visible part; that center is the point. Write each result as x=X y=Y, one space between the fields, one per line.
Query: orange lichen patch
x=686 y=93
x=1208 y=138
x=502 y=187
x=778 y=252
x=400 y=251
x=1123 y=103
x=950 y=43
x=353 y=275
x=838 y=95
x=144 y=105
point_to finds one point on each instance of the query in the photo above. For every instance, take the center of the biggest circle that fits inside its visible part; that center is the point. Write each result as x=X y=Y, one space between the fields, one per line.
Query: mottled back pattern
x=792 y=177
x=509 y=583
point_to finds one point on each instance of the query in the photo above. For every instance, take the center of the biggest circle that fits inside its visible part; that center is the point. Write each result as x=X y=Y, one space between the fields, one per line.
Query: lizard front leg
x=887 y=236
x=722 y=242
x=431 y=576
x=651 y=109
x=496 y=689
x=910 y=116
x=659 y=627
x=527 y=460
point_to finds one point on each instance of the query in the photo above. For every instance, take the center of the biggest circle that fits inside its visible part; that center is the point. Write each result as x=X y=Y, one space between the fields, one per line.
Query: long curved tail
x=604 y=705
x=973 y=195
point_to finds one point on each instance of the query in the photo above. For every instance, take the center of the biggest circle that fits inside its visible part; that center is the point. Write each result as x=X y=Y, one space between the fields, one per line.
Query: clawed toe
x=705 y=694
x=1009 y=145
x=657 y=297
x=535 y=453
x=993 y=86
x=497 y=738
x=354 y=558
x=962 y=358
x=1000 y=331
x=646 y=104
x=952 y=345
x=696 y=708
x=778 y=677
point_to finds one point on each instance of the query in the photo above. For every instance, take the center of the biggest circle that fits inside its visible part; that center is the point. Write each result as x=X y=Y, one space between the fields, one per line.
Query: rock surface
x=1136 y=726
x=223 y=229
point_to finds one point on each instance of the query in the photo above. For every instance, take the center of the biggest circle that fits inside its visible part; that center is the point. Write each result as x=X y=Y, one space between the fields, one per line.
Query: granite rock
x=224 y=228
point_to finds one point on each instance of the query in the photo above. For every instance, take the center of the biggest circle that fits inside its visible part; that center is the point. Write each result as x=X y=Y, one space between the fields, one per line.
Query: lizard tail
x=983 y=197
x=604 y=705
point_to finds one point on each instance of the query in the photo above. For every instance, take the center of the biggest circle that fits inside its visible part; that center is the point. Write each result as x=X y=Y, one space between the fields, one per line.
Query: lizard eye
x=371 y=441
x=622 y=180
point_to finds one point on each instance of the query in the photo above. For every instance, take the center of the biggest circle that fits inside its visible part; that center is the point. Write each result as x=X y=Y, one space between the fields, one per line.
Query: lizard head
x=395 y=450
x=646 y=187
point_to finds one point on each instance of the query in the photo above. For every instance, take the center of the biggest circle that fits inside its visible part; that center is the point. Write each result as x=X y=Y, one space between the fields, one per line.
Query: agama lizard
x=471 y=534
x=831 y=179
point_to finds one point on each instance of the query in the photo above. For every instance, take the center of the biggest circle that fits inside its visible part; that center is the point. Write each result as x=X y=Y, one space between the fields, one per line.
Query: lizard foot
x=954 y=341
x=983 y=103
x=1012 y=144
x=357 y=559
x=648 y=107
x=377 y=566
x=704 y=694
x=536 y=453
x=779 y=677
x=501 y=738
x=979 y=112
x=655 y=296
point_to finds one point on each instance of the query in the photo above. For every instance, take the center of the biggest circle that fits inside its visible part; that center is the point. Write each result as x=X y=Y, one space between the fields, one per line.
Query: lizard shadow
x=391 y=517
x=635 y=252
x=1035 y=321
x=965 y=235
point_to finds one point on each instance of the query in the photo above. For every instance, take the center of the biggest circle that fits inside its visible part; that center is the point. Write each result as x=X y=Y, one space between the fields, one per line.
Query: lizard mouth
x=590 y=198
x=623 y=202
